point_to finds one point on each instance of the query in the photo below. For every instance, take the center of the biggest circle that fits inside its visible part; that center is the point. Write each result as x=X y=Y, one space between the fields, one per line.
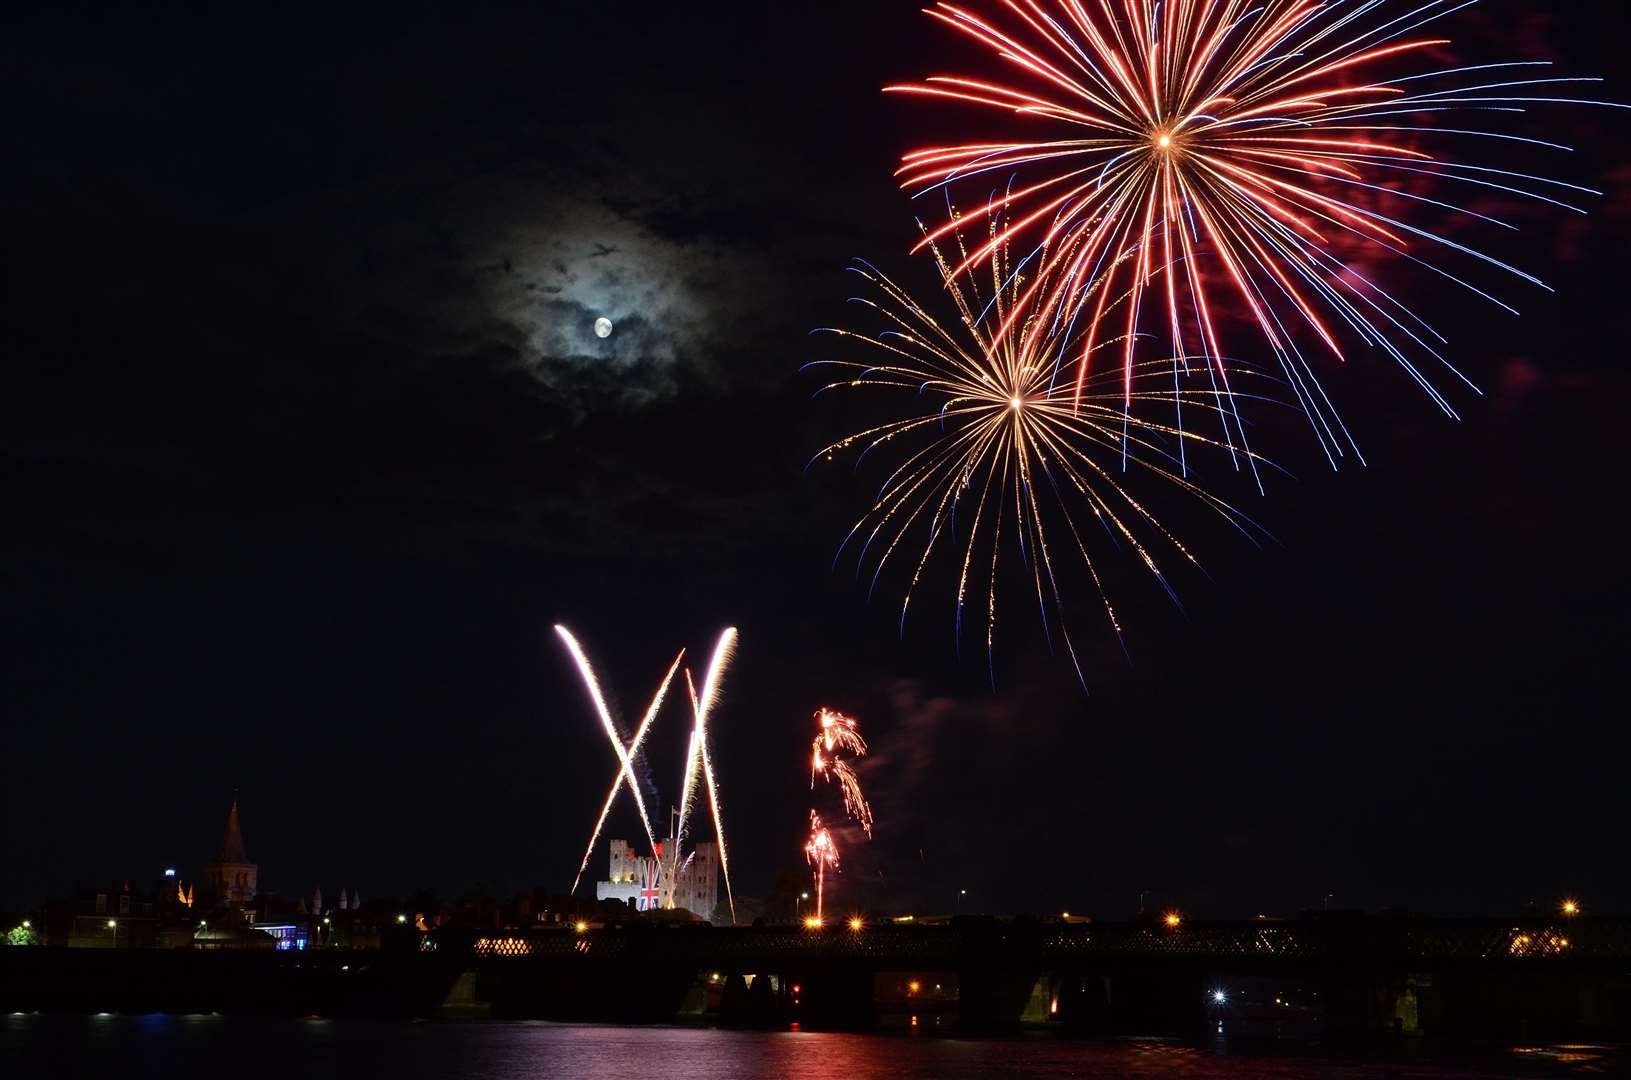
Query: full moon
x=603 y=327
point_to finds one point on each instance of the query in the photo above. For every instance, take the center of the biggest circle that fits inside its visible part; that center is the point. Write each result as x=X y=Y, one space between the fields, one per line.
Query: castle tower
x=230 y=879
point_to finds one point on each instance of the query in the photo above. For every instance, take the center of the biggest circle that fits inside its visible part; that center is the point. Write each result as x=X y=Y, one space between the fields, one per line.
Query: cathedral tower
x=230 y=879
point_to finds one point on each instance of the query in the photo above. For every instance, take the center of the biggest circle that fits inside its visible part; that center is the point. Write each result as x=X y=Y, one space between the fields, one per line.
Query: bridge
x=1541 y=978
x=1366 y=972
x=1266 y=946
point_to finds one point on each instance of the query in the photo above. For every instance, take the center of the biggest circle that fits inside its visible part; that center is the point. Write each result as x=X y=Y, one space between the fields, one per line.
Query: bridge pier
x=462 y=1002
x=1354 y=1002
x=1406 y=995
x=1039 y=1007
x=993 y=1001
x=1523 y=1005
x=1084 y=1002
x=750 y=1006
x=1368 y=1002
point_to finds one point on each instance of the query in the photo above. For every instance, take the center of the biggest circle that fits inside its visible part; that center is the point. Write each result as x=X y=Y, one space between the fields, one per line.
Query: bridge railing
x=968 y=941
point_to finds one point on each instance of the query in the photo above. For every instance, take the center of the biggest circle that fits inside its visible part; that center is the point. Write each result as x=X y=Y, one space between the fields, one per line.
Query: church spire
x=232 y=845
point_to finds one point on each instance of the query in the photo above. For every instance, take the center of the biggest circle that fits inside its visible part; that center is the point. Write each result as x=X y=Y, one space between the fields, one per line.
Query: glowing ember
x=837 y=734
x=821 y=853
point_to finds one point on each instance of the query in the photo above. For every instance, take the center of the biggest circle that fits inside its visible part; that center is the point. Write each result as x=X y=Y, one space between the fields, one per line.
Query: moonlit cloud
x=520 y=266
x=556 y=264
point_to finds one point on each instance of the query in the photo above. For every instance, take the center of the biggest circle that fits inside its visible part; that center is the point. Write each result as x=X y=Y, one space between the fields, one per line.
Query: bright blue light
x=169 y=873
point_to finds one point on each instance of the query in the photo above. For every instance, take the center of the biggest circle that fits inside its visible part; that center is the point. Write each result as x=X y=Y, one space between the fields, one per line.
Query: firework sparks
x=837 y=734
x=625 y=754
x=992 y=455
x=822 y=854
x=699 y=770
x=1190 y=154
x=698 y=762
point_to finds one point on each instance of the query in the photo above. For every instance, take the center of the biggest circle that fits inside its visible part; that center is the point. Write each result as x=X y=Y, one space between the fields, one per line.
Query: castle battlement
x=662 y=880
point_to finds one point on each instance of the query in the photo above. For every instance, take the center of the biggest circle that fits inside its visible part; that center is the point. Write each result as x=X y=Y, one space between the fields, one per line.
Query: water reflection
x=200 y=1047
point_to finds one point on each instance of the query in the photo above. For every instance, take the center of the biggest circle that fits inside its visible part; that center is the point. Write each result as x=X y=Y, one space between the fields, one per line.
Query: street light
x=113 y=924
x=1571 y=907
x=400 y=919
x=960 y=894
x=1173 y=920
x=798 y=905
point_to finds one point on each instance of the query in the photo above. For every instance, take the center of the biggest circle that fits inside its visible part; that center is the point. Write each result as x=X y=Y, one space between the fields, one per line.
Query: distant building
x=117 y=917
x=662 y=881
x=217 y=937
x=230 y=881
x=288 y=935
x=128 y=915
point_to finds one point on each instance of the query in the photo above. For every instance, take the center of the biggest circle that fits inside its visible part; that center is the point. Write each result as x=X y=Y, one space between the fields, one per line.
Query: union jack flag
x=650 y=879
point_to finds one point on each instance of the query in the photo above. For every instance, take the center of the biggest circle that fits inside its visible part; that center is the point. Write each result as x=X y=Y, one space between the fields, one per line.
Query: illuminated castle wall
x=694 y=886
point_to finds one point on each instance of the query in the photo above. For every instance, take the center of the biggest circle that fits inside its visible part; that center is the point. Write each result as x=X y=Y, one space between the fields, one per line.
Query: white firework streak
x=625 y=755
x=698 y=754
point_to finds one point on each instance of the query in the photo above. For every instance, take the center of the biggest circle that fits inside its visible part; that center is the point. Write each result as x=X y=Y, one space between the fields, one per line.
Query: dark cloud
x=505 y=218
x=521 y=265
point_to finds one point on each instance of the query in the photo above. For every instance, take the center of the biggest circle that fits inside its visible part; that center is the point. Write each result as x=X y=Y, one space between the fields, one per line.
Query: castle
x=661 y=880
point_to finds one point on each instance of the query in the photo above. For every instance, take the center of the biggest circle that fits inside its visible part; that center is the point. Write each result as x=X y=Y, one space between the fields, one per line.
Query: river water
x=120 y=1047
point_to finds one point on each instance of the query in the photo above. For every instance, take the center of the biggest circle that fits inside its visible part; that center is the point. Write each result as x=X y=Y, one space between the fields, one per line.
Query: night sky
x=309 y=442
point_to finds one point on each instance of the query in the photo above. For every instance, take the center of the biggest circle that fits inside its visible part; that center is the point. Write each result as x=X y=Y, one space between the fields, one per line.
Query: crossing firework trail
x=625 y=755
x=699 y=766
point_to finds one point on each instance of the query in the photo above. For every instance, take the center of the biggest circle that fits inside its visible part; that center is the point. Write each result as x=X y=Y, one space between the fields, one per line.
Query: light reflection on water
x=200 y=1047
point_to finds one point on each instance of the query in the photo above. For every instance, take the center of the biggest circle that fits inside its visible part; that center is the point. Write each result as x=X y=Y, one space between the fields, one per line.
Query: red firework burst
x=1196 y=157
